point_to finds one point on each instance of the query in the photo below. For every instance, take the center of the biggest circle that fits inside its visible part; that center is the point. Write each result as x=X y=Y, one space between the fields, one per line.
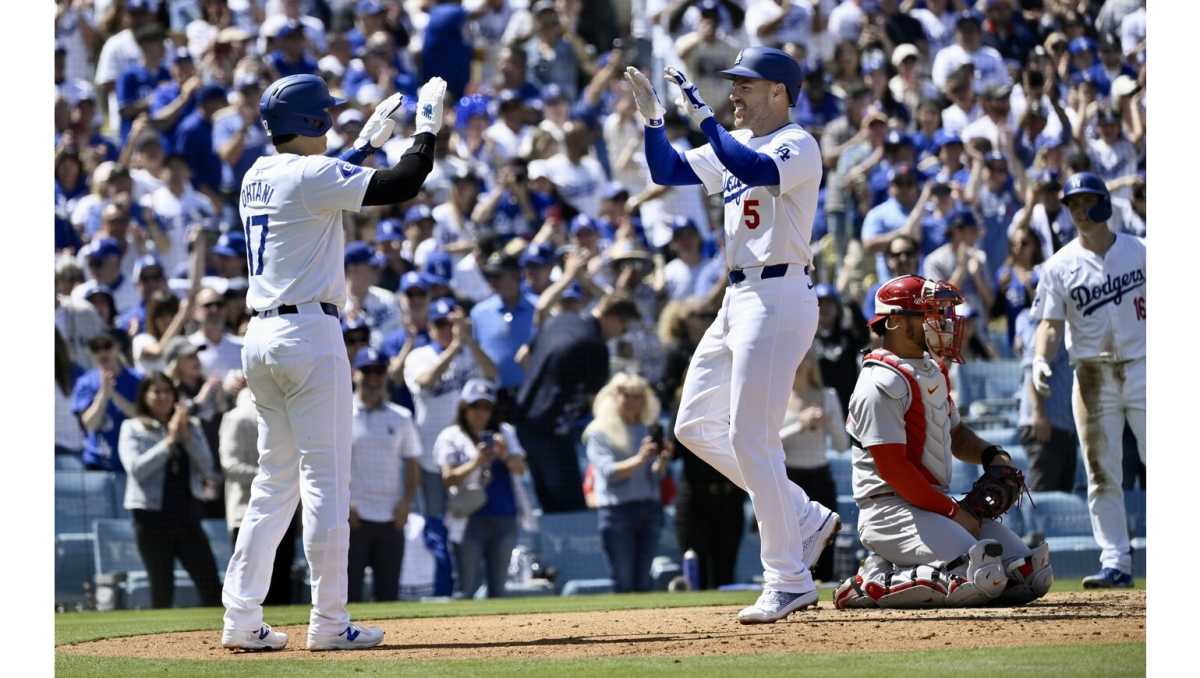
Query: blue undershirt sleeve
x=355 y=156
x=749 y=166
x=667 y=166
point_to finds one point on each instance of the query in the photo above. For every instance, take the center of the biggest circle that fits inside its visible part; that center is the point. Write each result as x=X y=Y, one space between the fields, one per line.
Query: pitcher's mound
x=1058 y=619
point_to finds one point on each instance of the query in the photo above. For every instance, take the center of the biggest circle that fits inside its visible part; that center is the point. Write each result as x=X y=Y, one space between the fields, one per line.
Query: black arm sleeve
x=401 y=183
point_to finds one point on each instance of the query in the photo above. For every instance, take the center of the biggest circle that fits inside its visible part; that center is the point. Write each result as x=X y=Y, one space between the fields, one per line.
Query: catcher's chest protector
x=927 y=420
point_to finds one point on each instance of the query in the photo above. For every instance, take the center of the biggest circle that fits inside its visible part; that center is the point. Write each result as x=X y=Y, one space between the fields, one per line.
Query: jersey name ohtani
x=257 y=193
x=1088 y=299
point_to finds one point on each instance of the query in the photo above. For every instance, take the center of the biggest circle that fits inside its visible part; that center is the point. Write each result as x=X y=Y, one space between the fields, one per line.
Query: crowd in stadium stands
x=475 y=311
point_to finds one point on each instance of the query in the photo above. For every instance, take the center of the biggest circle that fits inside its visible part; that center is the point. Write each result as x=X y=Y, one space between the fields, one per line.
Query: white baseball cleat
x=262 y=639
x=354 y=637
x=815 y=543
x=774 y=605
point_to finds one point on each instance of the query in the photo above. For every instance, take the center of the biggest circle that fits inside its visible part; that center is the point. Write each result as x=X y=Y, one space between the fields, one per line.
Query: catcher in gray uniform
x=927 y=549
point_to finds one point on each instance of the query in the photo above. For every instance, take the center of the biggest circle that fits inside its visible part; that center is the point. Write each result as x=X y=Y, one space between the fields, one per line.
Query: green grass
x=76 y=627
x=1123 y=659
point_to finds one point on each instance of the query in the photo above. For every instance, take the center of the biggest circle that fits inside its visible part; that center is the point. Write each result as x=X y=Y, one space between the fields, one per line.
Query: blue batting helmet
x=1086 y=182
x=768 y=63
x=297 y=104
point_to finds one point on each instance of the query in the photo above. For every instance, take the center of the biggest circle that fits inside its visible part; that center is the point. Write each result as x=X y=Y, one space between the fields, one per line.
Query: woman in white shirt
x=813 y=422
x=481 y=461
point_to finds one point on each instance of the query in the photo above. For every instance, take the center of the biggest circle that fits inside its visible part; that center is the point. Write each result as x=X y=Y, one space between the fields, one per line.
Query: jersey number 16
x=258 y=220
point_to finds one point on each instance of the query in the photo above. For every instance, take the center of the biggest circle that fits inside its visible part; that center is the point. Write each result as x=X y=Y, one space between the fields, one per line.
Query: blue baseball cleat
x=1108 y=578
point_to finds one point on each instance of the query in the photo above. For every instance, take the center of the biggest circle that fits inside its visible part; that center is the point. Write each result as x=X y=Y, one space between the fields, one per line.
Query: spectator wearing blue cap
x=968 y=48
x=100 y=297
x=1034 y=131
x=363 y=297
x=446 y=51
x=103 y=257
x=951 y=167
x=508 y=208
x=680 y=272
x=961 y=263
x=389 y=235
x=418 y=228
x=180 y=210
x=370 y=17
x=504 y=321
x=229 y=254
x=439 y=271
x=381 y=70
x=898 y=150
x=997 y=181
x=174 y=99
x=887 y=221
x=194 y=141
x=289 y=56
x=149 y=277
x=482 y=460
x=435 y=374
x=384 y=477
x=103 y=398
x=537 y=263
x=135 y=85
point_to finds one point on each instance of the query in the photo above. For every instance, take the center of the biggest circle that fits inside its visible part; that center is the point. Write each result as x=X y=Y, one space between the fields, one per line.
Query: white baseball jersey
x=291 y=209
x=1102 y=298
x=767 y=225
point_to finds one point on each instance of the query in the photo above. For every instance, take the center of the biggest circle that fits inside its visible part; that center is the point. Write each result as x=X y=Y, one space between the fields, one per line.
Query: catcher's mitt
x=996 y=491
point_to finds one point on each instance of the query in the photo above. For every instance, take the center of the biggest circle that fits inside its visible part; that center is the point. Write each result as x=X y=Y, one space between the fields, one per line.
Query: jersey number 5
x=1139 y=307
x=251 y=222
x=750 y=214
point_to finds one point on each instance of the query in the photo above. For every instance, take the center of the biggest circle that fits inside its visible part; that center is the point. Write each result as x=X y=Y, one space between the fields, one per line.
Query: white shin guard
x=856 y=592
x=1029 y=578
x=982 y=578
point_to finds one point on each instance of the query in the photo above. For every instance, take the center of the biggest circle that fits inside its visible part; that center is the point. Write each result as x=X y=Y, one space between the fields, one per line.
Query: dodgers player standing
x=736 y=391
x=294 y=357
x=1096 y=286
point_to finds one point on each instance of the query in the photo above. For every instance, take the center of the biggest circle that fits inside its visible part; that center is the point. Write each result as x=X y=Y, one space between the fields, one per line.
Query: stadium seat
x=1135 y=511
x=116 y=551
x=571 y=543
x=1058 y=514
x=217 y=531
x=848 y=511
x=749 y=560
x=962 y=476
x=989 y=379
x=580 y=587
x=67 y=462
x=81 y=497
x=74 y=566
x=842 y=469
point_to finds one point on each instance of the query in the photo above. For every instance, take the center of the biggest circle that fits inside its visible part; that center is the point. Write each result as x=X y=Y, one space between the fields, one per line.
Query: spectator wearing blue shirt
x=627 y=465
x=370 y=18
x=898 y=150
x=552 y=59
x=995 y=200
x=1007 y=31
x=70 y=184
x=948 y=147
x=289 y=57
x=1045 y=424
x=445 y=51
x=817 y=106
x=504 y=321
x=135 y=86
x=513 y=74
x=886 y=221
x=174 y=99
x=238 y=136
x=379 y=60
x=1017 y=279
x=194 y=141
x=103 y=399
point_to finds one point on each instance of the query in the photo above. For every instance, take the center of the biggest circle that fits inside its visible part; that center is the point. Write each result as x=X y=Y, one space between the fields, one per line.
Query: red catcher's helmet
x=934 y=301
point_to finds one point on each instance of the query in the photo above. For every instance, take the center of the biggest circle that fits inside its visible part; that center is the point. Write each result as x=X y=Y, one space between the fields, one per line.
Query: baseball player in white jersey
x=1096 y=286
x=294 y=357
x=737 y=386
x=927 y=550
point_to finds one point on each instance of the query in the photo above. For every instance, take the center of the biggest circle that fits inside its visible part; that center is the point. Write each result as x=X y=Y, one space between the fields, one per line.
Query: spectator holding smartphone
x=481 y=461
x=628 y=460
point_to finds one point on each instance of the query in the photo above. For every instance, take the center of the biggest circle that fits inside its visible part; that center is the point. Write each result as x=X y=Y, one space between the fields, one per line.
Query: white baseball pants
x=297 y=369
x=732 y=406
x=1105 y=395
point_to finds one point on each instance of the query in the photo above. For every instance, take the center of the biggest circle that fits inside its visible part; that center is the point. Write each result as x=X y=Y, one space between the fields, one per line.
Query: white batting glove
x=1041 y=376
x=382 y=123
x=691 y=102
x=647 y=100
x=430 y=101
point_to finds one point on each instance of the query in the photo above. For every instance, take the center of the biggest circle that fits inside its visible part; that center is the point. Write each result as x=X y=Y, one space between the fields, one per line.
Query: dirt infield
x=1060 y=619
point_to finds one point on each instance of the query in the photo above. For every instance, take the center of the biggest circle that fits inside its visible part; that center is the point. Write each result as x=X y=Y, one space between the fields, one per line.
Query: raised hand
x=696 y=109
x=430 y=102
x=643 y=95
x=382 y=123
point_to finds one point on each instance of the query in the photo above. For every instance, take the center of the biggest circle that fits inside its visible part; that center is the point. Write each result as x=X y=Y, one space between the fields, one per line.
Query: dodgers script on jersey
x=1102 y=298
x=305 y=265
x=767 y=225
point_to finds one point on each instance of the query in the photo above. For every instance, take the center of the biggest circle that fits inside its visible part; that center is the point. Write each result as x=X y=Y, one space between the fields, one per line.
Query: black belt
x=288 y=309
x=737 y=275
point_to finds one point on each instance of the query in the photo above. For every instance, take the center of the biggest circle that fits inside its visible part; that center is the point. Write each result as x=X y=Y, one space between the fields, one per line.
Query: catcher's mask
x=932 y=300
